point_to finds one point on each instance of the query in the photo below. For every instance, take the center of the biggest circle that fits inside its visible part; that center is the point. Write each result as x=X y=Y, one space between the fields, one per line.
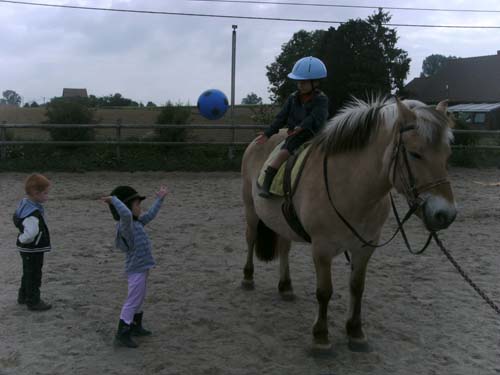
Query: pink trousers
x=137 y=283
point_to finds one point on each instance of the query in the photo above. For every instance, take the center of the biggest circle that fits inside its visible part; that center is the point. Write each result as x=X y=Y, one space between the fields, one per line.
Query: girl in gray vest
x=33 y=240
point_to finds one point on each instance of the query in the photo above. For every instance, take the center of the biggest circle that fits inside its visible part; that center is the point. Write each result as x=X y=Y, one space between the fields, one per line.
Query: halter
x=412 y=194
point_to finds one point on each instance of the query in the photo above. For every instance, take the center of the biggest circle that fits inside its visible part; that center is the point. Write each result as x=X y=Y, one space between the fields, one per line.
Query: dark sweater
x=311 y=115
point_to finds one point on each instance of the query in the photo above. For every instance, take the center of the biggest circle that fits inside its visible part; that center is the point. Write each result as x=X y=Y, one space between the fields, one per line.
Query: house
x=464 y=80
x=485 y=116
x=72 y=93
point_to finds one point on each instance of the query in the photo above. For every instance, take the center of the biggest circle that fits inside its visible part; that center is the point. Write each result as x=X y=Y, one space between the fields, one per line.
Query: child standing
x=125 y=205
x=33 y=240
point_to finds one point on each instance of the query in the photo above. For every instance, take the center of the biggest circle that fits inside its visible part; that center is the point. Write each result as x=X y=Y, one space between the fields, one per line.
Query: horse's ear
x=404 y=113
x=442 y=106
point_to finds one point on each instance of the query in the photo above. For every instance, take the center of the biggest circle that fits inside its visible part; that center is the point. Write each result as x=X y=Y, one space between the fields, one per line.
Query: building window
x=479 y=118
x=465 y=116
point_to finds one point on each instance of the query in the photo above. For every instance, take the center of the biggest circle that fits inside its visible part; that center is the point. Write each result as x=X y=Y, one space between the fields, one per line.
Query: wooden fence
x=119 y=140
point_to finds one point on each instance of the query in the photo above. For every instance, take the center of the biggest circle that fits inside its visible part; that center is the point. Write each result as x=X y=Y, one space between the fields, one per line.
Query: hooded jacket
x=34 y=234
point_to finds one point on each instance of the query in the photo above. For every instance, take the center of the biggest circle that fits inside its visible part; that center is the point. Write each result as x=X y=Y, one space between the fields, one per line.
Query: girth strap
x=287 y=207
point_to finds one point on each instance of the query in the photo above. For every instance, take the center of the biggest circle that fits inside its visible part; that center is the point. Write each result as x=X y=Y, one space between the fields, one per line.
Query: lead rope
x=466 y=277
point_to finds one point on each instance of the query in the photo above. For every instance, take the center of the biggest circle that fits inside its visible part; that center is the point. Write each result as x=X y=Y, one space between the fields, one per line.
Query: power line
x=350 y=6
x=236 y=17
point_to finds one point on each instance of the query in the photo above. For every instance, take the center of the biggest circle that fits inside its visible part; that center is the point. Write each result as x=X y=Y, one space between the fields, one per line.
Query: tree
x=303 y=43
x=112 y=100
x=433 y=64
x=150 y=104
x=178 y=114
x=11 y=97
x=360 y=55
x=70 y=111
x=251 y=99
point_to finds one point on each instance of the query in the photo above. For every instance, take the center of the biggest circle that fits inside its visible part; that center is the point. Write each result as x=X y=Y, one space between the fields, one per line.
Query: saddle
x=277 y=186
x=285 y=184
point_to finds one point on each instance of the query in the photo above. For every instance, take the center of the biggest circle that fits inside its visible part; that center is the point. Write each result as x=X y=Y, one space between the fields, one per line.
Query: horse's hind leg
x=251 y=236
x=357 y=338
x=285 y=284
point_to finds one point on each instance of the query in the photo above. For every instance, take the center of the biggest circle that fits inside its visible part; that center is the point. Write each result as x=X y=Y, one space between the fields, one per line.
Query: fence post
x=118 y=138
x=3 y=138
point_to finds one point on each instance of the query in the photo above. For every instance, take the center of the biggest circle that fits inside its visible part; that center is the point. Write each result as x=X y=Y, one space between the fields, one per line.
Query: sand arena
x=419 y=314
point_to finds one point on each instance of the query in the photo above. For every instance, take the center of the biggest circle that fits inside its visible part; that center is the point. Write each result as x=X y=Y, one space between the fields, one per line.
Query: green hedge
x=165 y=158
x=133 y=158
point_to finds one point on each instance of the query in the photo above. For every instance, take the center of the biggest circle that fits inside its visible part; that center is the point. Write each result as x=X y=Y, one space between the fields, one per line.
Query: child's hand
x=162 y=192
x=262 y=138
x=107 y=199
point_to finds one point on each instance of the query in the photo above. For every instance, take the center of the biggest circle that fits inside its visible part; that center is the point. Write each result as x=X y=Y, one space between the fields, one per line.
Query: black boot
x=123 y=335
x=21 y=296
x=136 y=328
x=268 y=180
x=39 y=306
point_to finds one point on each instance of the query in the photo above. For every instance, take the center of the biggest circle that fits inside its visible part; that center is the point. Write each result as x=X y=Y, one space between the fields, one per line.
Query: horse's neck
x=364 y=174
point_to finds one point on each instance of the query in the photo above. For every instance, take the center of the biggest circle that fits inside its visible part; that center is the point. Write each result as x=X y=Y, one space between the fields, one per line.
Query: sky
x=157 y=58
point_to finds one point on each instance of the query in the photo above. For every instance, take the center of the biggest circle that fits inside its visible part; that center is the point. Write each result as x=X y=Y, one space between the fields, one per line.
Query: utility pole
x=233 y=72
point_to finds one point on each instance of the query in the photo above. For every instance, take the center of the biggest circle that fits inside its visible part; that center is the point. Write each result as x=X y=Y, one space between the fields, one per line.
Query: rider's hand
x=296 y=130
x=261 y=139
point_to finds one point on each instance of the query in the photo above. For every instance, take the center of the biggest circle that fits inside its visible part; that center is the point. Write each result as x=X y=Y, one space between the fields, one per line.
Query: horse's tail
x=266 y=243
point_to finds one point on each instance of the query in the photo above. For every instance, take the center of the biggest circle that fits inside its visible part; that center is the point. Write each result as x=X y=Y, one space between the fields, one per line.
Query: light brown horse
x=369 y=148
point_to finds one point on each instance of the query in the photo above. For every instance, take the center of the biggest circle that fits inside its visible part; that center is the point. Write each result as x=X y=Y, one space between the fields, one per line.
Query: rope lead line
x=465 y=276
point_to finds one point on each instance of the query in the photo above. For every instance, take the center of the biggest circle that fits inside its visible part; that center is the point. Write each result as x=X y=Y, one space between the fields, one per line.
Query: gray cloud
x=160 y=58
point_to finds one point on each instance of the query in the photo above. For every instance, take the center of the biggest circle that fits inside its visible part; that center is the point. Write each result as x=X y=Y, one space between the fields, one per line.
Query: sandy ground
x=420 y=315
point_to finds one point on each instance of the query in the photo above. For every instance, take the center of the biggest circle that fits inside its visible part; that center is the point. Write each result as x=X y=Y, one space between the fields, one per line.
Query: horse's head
x=419 y=162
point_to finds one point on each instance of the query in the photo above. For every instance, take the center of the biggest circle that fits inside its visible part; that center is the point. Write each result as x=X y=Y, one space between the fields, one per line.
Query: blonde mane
x=356 y=123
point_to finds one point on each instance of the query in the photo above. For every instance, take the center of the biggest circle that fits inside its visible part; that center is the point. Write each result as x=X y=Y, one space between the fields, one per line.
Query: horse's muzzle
x=438 y=213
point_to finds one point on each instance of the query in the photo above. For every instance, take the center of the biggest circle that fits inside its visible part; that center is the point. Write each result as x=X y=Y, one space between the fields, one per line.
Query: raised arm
x=151 y=213
x=126 y=219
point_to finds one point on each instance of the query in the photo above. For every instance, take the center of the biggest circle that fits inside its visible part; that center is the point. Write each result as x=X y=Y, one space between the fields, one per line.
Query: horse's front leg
x=285 y=284
x=322 y=264
x=359 y=261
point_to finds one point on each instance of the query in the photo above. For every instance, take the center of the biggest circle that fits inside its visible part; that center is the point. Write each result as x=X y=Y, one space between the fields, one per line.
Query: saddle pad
x=277 y=185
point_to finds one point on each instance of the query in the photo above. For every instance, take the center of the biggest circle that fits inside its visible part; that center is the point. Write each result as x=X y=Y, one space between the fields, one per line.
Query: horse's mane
x=353 y=127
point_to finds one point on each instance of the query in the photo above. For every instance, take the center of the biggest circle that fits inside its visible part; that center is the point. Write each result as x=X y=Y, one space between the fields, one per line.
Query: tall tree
x=433 y=64
x=361 y=58
x=11 y=97
x=251 y=99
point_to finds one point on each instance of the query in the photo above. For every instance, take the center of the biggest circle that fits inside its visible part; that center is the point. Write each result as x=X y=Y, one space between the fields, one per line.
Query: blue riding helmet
x=308 y=68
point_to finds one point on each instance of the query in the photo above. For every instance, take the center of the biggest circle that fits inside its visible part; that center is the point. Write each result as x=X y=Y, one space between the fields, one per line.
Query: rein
x=411 y=190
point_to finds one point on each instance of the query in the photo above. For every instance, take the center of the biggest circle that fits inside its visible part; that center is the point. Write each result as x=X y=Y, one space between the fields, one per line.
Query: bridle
x=412 y=193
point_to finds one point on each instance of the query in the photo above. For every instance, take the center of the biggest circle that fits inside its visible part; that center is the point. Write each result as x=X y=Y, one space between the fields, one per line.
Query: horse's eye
x=414 y=155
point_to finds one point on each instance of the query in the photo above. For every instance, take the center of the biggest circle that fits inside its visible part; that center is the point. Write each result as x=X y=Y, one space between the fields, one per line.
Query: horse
x=343 y=196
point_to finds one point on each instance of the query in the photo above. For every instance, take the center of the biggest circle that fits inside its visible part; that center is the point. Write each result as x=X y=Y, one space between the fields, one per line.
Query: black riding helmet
x=127 y=195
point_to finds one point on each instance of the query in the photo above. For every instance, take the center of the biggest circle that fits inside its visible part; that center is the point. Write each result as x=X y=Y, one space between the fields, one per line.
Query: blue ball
x=212 y=104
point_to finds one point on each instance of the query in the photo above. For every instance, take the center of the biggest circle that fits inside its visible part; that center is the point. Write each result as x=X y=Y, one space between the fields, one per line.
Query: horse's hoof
x=359 y=345
x=287 y=296
x=247 y=284
x=321 y=348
